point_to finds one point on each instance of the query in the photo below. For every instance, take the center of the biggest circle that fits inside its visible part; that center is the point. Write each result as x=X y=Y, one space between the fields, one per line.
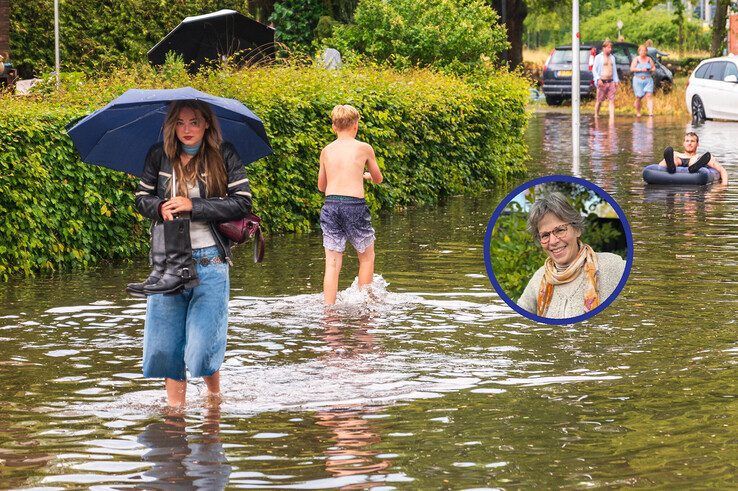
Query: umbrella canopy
x=119 y=135
x=211 y=36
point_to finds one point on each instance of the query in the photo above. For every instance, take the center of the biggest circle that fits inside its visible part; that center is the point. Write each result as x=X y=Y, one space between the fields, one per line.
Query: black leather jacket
x=152 y=191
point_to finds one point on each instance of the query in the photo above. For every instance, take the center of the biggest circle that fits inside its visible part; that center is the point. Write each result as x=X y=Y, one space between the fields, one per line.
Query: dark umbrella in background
x=119 y=135
x=212 y=36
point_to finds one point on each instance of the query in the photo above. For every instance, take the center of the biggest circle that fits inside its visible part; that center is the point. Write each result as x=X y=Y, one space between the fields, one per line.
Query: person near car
x=605 y=74
x=642 y=67
x=691 y=159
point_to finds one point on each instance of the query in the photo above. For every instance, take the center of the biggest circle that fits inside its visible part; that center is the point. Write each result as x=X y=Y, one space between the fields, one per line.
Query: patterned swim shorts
x=346 y=218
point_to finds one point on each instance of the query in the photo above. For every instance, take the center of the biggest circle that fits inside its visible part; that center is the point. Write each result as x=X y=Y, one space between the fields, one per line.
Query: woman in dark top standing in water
x=185 y=330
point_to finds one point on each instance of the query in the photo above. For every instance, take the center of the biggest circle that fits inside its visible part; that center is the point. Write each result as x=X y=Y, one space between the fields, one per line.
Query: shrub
x=57 y=212
x=295 y=20
x=656 y=24
x=435 y=136
x=450 y=34
x=96 y=34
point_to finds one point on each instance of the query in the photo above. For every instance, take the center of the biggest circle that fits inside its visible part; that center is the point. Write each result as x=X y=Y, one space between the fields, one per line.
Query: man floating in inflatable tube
x=689 y=158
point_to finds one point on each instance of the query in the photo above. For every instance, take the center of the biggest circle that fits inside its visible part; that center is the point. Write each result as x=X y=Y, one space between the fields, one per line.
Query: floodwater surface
x=432 y=383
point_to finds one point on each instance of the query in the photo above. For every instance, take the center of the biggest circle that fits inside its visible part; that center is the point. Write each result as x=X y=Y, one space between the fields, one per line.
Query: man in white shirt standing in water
x=606 y=79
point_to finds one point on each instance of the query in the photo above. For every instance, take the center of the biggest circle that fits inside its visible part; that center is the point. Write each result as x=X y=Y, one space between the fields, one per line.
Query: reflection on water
x=642 y=132
x=179 y=460
x=433 y=383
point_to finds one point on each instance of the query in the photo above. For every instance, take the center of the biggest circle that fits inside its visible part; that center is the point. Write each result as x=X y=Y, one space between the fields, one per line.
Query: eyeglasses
x=559 y=232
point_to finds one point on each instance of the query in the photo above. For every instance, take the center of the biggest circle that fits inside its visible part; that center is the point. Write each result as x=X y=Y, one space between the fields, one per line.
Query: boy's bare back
x=342 y=166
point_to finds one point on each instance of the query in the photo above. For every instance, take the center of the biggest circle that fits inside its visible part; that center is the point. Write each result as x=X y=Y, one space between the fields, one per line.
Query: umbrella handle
x=174 y=183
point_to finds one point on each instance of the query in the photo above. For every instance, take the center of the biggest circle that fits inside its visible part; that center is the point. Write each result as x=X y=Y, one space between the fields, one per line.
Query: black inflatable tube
x=656 y=174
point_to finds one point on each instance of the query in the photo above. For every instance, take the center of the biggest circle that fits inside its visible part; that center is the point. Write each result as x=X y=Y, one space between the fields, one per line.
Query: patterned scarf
x=587 y=259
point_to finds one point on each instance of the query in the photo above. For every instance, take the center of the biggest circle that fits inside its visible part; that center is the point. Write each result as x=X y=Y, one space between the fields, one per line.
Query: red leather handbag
x=243 y=229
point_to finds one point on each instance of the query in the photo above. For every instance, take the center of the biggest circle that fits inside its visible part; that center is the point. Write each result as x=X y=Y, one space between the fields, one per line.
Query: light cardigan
x=568 y=299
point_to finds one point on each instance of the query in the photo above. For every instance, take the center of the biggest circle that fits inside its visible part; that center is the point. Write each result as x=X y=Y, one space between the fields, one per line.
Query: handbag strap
x=258 y=245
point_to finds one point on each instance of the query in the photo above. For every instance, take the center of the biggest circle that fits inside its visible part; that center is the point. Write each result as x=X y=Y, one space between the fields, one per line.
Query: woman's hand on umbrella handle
x=178 y=204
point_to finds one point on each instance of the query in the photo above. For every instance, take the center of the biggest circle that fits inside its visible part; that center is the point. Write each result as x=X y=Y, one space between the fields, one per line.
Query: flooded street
x=437 y=385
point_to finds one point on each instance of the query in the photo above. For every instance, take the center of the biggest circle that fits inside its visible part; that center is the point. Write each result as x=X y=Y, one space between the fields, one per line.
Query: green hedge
x=95 y=34
x=57 y=212
x=435 y=136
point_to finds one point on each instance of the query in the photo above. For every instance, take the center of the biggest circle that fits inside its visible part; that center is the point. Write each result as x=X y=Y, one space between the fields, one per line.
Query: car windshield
x=563 y=56
x=621 y=56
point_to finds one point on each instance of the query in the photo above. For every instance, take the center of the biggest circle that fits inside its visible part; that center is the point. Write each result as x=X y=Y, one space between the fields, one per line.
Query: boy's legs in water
x=366 y=266
x=333 y=261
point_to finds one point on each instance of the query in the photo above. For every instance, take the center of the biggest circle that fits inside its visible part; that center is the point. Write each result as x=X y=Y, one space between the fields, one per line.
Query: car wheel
x=698 y=110
x=553 y=101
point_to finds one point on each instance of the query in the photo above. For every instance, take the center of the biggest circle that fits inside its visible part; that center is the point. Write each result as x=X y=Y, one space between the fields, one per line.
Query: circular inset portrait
x=558 y=249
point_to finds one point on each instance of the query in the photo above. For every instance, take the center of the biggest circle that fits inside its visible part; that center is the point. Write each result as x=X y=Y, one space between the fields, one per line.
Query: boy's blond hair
x=344 y=116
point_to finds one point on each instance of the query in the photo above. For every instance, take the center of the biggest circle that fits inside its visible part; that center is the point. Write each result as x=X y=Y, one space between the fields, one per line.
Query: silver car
x=712 y=90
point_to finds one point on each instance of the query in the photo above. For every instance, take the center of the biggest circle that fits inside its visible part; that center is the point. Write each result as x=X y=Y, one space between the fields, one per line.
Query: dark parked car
x=558 y=70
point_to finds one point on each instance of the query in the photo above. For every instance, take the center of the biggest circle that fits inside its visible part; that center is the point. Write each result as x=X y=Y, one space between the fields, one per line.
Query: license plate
x=564 y=73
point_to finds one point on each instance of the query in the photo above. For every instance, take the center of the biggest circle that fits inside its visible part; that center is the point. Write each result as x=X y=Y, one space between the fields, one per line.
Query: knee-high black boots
x=180 y=269
x=158 y=262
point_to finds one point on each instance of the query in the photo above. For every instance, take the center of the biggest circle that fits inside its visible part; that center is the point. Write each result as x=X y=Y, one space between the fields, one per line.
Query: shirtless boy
x=345 y=215
x=689 y=158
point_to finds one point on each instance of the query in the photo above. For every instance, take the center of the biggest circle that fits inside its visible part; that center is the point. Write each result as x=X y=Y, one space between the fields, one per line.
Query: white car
x=712 y=90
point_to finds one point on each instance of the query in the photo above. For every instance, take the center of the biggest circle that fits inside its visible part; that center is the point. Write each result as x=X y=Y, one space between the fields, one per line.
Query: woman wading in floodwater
x=185 y=329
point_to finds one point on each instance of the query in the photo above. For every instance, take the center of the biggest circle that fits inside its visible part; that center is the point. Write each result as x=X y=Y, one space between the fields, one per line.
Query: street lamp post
x=57 y=61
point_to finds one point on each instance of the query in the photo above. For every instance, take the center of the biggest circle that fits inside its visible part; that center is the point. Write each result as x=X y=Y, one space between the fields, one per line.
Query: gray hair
x=557 y=204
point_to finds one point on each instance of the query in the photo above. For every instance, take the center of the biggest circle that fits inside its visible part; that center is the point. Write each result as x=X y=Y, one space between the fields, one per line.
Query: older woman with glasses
x=574 y=279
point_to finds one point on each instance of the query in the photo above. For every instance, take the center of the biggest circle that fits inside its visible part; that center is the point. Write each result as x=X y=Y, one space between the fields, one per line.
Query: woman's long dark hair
x=207 y=164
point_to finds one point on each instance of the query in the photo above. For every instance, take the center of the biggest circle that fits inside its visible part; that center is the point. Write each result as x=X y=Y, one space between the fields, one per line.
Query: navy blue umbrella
x=119 y=135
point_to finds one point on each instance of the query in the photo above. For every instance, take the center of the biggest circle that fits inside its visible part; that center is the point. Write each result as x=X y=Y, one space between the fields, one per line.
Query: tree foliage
x=549 y=23
x=656 y=24
x=295 y=20
x=449 y=34
x=96 y=35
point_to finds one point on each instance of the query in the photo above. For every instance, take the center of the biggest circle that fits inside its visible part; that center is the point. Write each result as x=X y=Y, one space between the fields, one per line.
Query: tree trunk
x=5 y=28
x=512 y=14
x=718 y=27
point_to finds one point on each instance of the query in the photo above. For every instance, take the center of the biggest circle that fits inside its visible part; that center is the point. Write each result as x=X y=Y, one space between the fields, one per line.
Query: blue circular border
x=558 y=178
